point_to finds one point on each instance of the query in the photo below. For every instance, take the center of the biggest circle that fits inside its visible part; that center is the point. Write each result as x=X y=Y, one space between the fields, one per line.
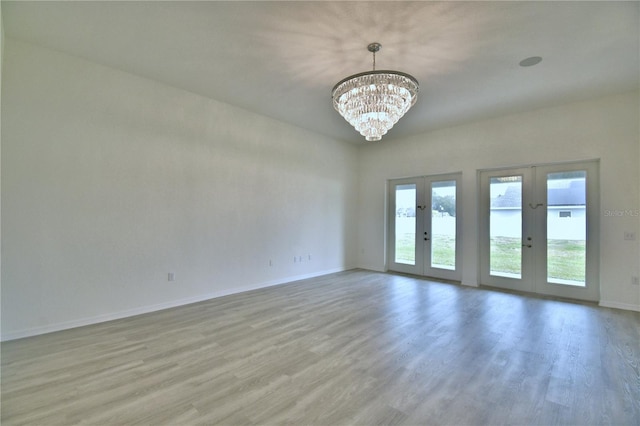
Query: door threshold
x=540 y=295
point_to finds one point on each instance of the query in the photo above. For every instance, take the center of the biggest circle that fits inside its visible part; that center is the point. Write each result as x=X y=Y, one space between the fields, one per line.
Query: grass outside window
x=566 y=259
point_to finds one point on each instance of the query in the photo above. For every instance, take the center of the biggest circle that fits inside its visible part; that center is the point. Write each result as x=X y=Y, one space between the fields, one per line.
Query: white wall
x=1 y=66
x=110 y=181
x=605 y=129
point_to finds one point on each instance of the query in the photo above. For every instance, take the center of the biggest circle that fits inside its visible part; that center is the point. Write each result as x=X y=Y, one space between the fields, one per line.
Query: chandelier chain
x=373 y=48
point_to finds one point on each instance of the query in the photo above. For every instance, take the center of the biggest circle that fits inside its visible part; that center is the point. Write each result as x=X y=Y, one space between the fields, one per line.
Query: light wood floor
x=351 y=348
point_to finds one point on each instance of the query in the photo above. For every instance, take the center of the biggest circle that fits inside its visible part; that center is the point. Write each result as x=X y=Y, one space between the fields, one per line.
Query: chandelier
x=372 y=102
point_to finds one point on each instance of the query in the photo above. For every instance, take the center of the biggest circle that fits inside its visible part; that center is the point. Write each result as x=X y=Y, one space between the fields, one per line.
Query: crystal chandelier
x=374 y=101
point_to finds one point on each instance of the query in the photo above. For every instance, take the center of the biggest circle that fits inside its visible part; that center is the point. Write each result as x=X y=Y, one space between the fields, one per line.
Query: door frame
x=534 y=267
x=441 y=273
x=527 y=280
x=591 y=291
x=414 y=269
x=422 y=264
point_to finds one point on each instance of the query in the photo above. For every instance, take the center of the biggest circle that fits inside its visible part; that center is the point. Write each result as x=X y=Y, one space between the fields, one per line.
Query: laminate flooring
x=356 y=347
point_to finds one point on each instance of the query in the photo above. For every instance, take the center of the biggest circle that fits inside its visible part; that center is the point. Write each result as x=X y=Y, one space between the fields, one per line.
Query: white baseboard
x=50 y=328
x=374 y=268
x=619 y=305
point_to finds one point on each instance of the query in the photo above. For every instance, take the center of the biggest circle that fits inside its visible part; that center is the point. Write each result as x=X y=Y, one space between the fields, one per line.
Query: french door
x=424 y=226
x=538 y=229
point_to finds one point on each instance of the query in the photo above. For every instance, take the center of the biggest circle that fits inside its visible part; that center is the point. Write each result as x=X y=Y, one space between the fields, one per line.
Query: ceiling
x=281 y=59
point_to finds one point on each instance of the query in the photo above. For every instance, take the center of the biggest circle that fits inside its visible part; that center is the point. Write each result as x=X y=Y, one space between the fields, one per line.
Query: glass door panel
x=405 y=246
x=567 y=264
x=405 y=223
x=505 y=226
x=567 y=228
x=506 y=249
x=443 y=225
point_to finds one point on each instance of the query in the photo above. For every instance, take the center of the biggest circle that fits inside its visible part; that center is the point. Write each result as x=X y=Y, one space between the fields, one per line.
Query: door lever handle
x=526 y=245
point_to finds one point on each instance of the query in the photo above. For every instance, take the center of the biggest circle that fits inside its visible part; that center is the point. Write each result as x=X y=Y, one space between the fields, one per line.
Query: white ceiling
x=281 y=59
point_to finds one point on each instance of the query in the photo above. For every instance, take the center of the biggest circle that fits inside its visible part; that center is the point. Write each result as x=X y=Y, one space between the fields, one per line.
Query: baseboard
x=50 y=328
x=374 y=268
x=618 y=305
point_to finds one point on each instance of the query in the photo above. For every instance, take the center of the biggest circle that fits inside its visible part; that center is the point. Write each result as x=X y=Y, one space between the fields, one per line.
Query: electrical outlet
x=171 y=276
x=629 y=236
x=635 y=281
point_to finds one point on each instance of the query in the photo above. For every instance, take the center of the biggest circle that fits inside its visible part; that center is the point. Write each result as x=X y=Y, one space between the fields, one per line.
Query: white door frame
x=424 y=225
x=534 y=226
